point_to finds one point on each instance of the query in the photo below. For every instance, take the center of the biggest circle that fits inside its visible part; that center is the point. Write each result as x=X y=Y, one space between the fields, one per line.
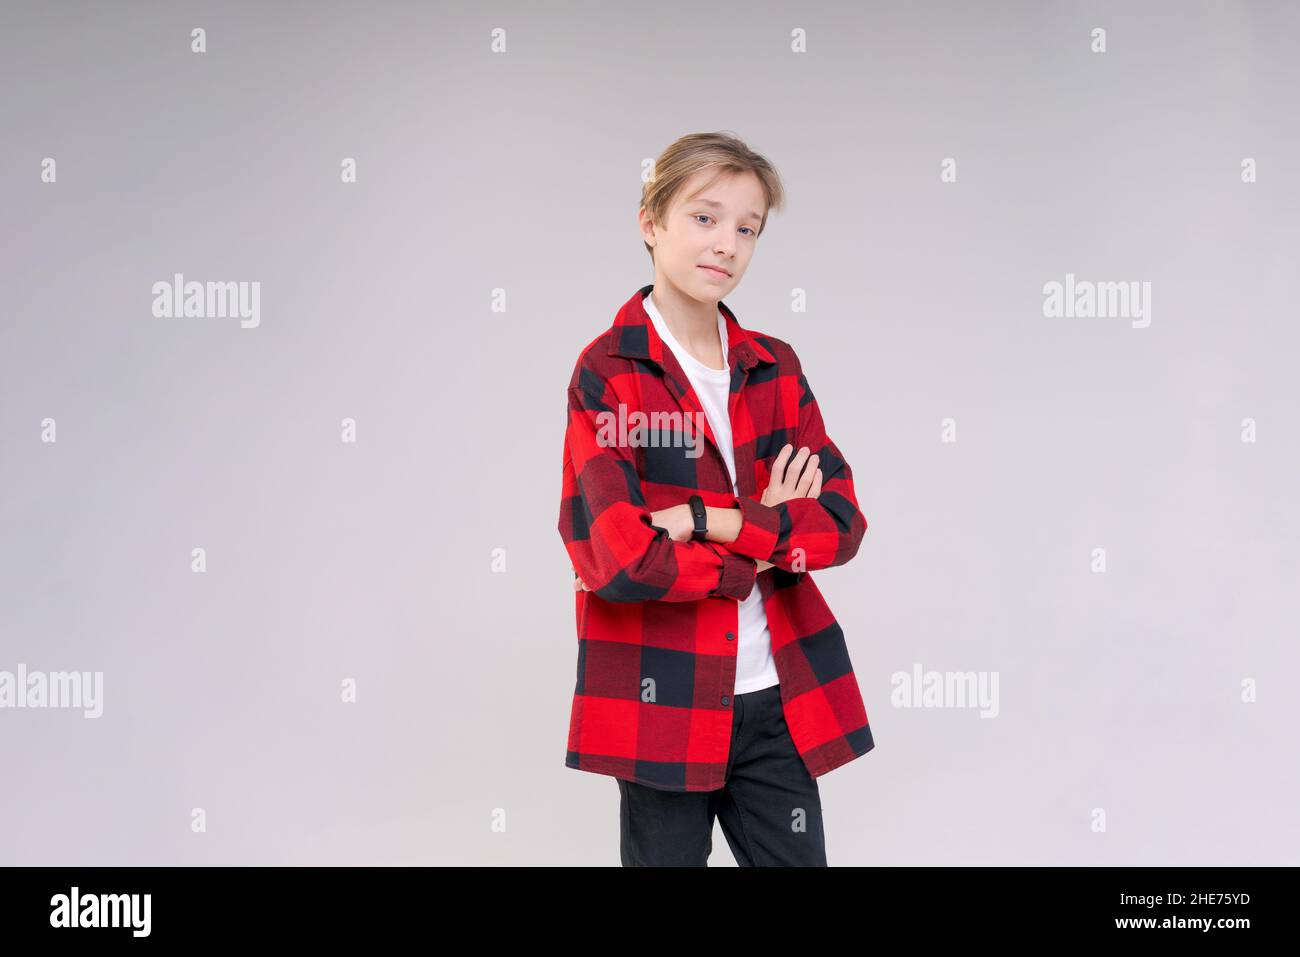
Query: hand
x=787 y=482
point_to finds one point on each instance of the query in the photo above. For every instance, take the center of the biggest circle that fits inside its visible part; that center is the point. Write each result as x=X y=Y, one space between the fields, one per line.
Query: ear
x=646 y=224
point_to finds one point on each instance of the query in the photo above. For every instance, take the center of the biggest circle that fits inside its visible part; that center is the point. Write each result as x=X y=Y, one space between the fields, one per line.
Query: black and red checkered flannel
x=657 y=633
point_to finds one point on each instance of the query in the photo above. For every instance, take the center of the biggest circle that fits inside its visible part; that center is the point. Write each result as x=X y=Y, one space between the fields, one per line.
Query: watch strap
x=701 y=518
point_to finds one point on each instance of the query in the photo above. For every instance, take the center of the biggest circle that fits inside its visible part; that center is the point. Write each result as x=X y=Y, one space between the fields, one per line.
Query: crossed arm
x=794 y=475
x=808 y=517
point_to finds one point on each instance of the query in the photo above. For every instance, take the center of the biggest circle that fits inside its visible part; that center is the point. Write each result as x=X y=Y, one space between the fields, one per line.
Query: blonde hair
x=696 y=151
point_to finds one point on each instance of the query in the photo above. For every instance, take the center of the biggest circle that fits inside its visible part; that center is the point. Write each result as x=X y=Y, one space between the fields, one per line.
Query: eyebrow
x=716 y=205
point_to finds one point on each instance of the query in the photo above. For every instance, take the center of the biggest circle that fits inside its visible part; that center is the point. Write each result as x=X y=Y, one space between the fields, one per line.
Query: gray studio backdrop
x=312 y=555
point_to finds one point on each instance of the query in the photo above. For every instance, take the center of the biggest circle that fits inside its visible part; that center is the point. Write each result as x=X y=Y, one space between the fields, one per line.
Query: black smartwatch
x=701 y=518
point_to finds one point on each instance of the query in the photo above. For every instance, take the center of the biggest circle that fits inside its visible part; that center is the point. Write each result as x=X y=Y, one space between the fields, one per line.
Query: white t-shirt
x=755 y=667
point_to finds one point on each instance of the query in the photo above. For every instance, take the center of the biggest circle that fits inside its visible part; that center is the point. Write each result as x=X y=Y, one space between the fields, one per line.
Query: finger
x=778 y=466
x=795 y=470
x=806 y=479
x=776 y=478
x=816 y=490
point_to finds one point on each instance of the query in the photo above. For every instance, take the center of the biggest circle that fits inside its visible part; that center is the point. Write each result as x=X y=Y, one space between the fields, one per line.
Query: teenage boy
x=699 y=490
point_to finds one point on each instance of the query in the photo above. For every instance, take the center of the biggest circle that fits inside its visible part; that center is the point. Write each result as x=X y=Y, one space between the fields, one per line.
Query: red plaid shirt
x=657 y=633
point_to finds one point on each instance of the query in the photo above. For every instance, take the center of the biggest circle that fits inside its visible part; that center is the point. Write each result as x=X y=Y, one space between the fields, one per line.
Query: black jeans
x=769 y=807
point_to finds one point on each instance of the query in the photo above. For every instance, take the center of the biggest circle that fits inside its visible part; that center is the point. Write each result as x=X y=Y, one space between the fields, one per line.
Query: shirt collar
x=635 y=337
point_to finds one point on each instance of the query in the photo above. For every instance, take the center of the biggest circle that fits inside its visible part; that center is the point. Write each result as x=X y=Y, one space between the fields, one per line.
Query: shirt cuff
x=738 y=574
x=760 y=529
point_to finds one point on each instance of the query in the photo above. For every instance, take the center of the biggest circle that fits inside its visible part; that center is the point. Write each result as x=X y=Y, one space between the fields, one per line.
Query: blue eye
x=707 y=216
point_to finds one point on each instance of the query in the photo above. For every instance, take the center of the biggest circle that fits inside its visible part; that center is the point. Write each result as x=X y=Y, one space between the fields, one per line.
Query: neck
x=693 y=323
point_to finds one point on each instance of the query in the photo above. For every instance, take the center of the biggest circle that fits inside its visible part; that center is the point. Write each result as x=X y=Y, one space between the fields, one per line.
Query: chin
x=711 y=289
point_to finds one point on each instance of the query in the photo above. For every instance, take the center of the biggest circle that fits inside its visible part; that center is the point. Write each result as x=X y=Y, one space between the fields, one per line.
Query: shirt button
x=725 y=699
x=730 y=637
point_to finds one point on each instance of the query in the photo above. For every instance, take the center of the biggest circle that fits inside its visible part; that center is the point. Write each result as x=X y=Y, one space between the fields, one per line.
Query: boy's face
x=718 y=227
